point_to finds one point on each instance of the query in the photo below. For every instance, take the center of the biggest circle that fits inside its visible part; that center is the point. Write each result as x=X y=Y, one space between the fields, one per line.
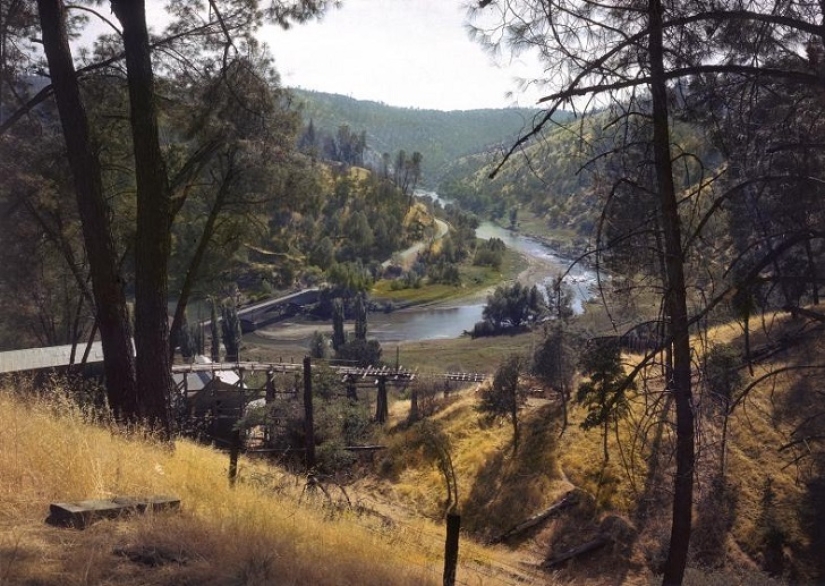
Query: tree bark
x=680 y=385
x=107 y=285
x=451 y=548
x=154 y=207
x=309 y=422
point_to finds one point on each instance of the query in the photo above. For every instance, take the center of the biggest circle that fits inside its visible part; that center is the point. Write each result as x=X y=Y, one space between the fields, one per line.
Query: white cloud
x=404 y=53
x=411 y=53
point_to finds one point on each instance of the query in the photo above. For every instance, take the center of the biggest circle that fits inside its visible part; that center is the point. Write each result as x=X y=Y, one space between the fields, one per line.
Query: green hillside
x=560 y=178
x=441 y=137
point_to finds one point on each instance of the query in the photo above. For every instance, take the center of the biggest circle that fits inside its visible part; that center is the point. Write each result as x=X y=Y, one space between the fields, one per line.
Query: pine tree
x=339 y=337
x=360 y=317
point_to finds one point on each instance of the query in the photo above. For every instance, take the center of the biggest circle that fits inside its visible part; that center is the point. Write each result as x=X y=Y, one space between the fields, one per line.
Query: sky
x=408 y=53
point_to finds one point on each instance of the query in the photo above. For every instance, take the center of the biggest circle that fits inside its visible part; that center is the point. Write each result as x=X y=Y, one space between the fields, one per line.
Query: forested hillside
x=560 y=178
x=439 y=136
x=245 y=211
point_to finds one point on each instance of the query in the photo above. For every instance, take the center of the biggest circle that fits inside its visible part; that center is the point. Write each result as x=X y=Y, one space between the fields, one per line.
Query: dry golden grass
x=267 y=530
x=755 y=518
x=497 y=489
x=772 y=508
x=465 y=354
x=761 y=497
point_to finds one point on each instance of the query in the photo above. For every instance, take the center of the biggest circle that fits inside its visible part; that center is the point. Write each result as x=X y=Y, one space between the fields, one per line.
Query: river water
x=440 y=322
x=431 y=323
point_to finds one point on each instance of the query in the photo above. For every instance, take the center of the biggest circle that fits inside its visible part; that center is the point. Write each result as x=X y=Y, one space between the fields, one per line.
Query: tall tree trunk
x=195 y=264
x=680 y=385
x=723 y=456
x=107 y=286
x=381 y=401
x=812 y=272
x=154 y=216
x=515 y=421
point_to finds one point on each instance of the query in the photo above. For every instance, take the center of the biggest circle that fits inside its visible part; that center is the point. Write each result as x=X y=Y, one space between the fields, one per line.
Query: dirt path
x=407 y=257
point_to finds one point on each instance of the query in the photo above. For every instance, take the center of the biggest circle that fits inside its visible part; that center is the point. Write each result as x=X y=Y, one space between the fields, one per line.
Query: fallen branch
x=592 y=545
x=568 y=500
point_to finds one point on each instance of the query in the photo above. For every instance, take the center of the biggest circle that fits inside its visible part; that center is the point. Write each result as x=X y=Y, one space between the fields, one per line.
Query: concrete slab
x=81 y=514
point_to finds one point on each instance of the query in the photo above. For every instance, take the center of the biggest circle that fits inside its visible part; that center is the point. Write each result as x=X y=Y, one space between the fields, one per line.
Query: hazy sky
x=411 y=53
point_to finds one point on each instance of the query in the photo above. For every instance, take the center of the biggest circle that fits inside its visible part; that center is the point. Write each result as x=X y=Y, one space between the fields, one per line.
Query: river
x=453 y=319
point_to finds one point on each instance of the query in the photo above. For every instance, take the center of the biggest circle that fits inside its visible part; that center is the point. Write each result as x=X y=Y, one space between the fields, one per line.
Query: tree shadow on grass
x=17 y=560
x=800 y=410
x=814 y=522
x=511 y=487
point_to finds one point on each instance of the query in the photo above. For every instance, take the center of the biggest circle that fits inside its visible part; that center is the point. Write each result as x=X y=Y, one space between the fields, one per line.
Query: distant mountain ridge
x=441 y=137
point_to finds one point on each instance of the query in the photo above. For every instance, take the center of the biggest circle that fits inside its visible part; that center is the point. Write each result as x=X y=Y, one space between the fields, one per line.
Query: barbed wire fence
x=418 y=543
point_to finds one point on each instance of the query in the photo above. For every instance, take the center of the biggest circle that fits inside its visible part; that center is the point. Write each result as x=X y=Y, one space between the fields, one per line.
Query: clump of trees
x=345 y=146
x=339 y=421
x=509 y=308
x=440 y=261
x=490 y=253
x=354 y=348
x=506 y=395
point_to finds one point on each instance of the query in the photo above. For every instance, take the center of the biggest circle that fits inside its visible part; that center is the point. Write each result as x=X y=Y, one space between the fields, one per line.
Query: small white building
x=216 y=398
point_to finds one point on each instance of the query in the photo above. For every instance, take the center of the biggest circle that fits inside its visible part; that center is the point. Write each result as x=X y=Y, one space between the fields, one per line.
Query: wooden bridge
x=268 y=312
x=399 y=374
x=214 y=396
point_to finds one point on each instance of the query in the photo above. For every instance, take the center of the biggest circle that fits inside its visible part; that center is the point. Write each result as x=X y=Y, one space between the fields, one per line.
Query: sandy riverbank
x=300 y=331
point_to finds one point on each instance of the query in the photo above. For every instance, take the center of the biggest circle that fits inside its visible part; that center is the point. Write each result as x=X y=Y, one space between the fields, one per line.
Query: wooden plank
x=81 y=514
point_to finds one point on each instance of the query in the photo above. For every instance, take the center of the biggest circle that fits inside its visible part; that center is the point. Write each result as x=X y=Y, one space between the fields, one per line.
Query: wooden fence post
x=234 y=452
x=270 y=386
x=235 y=437
x=413 y=415
x=309 y=425
x=352 y=390
x=381 y=403
x=451 y=548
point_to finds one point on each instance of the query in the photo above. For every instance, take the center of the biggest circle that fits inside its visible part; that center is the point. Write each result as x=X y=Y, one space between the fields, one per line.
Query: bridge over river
x=451 y=319
x=268 y=312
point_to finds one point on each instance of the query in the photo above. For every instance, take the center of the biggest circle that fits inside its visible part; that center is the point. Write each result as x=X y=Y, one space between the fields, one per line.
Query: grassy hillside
x=561 y=177
x=759 y=516
x=268 y=529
